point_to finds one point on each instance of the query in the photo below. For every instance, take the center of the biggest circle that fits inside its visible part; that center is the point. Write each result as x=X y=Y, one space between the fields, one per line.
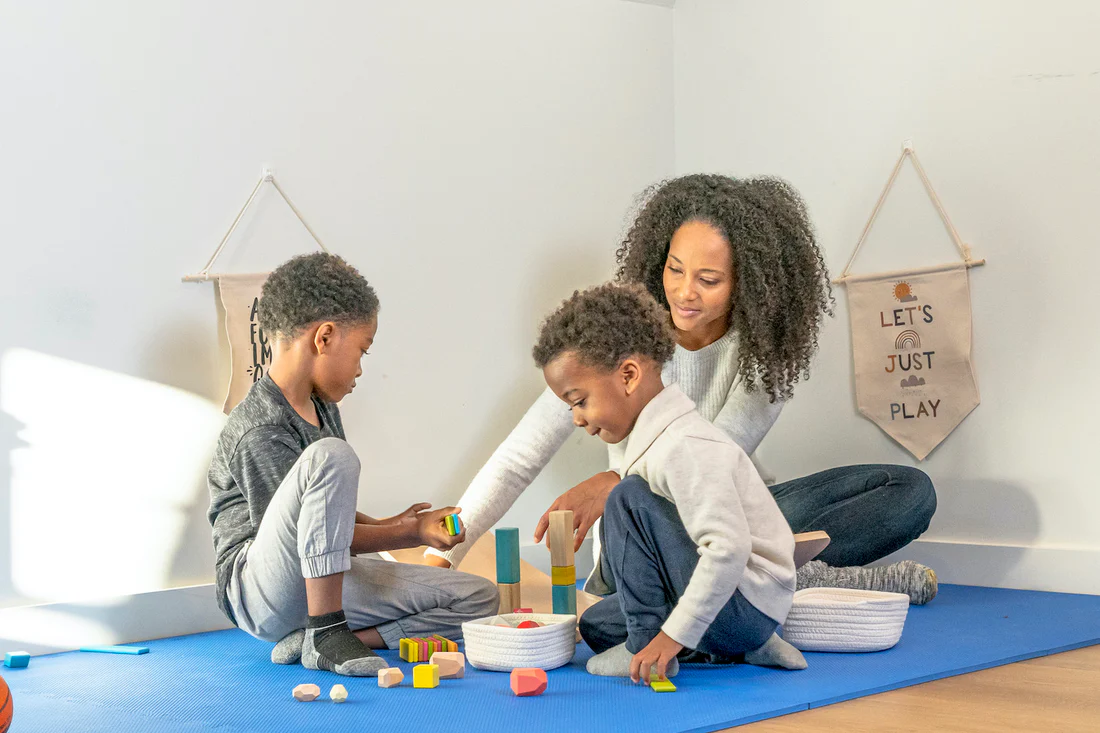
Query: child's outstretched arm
x=411 y=528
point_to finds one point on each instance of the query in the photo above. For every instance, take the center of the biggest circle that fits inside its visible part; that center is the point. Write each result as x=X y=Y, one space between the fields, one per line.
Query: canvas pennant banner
x=911 y=347
x=911 y=339
x=249 y=347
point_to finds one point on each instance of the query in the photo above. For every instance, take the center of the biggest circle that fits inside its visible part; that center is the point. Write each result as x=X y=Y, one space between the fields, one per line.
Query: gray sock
x=330 y=645
x=289 y=648
x=776 y=653
x=615 y=662
x=913 y=579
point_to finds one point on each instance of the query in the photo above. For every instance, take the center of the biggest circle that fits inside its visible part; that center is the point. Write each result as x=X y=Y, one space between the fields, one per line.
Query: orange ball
x=7 y=705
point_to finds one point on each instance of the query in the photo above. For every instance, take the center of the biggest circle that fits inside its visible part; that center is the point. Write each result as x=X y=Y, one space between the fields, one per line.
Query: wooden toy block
x=528 y=625
x=448 y=645
x=560 y=539
x=564 y=598
x=403 y=650
x=661 y=685
x=426 y=676
x=522 y=610
x=508 y=556
x=116 y=649
x=808 y=545
x=452 y=665
x=563 y=576
x=307 y=693
x=509 y=596
x=528 y=681
x=454 y=524
x=16 y=660
x=390 y=677
x=338 y=693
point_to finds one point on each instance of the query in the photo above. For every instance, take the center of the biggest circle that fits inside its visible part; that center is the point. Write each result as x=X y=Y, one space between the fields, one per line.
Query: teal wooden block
x=116 y=649
x=507 y=554
x=565 y=599
x=16 y=660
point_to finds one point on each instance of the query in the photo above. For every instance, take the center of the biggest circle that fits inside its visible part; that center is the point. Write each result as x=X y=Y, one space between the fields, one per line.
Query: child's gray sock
x=615 y=662
x=913 y=579
x=329 y=644
x=776 y=653
x=289 y=648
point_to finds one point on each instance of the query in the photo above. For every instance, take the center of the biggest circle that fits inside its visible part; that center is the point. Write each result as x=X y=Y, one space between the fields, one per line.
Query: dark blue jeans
x=868 y=511
x=649 y=554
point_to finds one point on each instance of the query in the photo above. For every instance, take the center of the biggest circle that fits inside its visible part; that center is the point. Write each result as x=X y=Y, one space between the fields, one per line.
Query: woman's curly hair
x=781 y=291
x=604 y=325
x=311 y=288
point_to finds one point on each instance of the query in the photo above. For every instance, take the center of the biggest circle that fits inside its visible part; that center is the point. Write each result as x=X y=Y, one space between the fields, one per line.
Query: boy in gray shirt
x=283 y=490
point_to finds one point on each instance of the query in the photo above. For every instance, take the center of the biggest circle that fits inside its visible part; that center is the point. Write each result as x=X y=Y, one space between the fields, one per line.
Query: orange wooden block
x=307 y=693
x=528 y=625
x=528 y=681
x=452 y=665
x=390 y=677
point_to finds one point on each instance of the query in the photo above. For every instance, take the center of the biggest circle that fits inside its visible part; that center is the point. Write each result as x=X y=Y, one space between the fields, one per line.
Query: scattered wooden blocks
x=15 y=660
x=338 y=693
x=528 y=625
x=528 y=681
x=452 y=665
x=661 y=685
x=390 y=677
x=426 y=676
x=454 y=524
x=509 y=596
x=307 y=693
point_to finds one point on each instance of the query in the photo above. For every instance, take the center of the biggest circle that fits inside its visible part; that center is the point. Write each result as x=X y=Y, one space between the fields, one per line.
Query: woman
x=736 y=264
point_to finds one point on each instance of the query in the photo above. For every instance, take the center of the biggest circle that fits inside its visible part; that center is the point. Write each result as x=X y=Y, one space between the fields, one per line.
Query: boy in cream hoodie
x=699 y=554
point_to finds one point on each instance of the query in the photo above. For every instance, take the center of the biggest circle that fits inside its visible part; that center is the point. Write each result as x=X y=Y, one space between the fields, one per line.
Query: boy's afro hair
x=604 y=325
x=311 y=288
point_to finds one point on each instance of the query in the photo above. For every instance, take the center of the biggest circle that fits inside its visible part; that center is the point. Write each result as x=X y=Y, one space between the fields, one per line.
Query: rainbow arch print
x=908 y=339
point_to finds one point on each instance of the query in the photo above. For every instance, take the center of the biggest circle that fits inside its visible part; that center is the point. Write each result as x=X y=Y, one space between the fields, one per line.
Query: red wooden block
x=522 y=610
x=527 y=682
x=528 y=625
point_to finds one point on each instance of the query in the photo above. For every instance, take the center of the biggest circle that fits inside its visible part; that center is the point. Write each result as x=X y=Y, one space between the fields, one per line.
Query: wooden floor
x=1049 y=694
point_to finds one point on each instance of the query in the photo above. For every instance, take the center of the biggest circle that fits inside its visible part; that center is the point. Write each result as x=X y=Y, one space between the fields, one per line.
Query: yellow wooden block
x=404 y=646
x=660 y=685
x=426 y=676
x=564 y=576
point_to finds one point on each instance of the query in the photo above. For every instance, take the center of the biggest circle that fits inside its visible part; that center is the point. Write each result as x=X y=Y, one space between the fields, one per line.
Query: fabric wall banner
x=911 y=337
x=911 y=340
x=249 y=347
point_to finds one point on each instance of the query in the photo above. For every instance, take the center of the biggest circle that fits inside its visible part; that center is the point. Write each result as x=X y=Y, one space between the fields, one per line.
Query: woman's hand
x=659 y=652
x=432 y=530
x=586 y=500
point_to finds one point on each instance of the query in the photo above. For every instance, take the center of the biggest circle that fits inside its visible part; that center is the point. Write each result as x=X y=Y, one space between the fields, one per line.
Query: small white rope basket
x=844 y=620
x=500 y=649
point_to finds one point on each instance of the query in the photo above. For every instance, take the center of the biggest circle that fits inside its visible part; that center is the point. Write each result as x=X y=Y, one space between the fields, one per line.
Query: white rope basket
x=500 y=649
x=844 y=620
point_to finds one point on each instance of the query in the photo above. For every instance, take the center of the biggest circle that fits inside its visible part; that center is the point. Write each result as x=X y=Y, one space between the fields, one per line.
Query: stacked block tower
x=563 y=571
x=508 y=568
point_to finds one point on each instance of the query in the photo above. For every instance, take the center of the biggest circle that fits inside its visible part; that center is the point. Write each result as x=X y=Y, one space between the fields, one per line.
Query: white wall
x=1002 y=101
x=474 y=159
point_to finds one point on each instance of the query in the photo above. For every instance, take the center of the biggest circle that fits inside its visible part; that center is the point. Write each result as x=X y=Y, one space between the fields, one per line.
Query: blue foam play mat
x=223 y=681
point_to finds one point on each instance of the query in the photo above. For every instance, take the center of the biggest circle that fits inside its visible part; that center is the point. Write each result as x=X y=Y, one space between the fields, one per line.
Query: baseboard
x=1049 y=568
x=60 y=627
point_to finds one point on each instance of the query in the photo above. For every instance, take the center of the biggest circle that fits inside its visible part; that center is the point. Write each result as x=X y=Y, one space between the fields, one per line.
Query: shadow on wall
x=107 y=488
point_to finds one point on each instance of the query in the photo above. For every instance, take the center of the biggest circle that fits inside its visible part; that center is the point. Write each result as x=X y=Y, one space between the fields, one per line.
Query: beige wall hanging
x=911 y=339
x=250 y=349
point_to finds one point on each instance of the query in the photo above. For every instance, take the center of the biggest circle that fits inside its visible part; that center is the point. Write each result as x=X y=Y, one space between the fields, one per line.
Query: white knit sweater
x=708 y=376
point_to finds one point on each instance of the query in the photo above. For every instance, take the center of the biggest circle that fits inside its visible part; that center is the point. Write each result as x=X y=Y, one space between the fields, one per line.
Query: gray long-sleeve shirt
x=257 y=448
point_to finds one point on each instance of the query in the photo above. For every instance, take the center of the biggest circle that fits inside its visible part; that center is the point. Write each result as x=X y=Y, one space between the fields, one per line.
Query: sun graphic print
x=903 y=293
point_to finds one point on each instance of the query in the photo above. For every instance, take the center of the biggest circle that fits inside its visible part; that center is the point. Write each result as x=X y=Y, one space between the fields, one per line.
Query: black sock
x=334 y=641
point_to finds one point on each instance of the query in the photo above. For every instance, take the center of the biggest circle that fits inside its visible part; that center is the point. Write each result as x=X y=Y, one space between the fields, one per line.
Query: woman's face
x=698 y=282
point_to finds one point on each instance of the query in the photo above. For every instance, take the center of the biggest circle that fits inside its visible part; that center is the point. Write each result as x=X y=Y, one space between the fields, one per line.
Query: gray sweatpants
x=306 y=532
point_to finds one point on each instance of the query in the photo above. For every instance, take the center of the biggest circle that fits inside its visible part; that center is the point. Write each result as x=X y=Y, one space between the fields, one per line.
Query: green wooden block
x=507 y=554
